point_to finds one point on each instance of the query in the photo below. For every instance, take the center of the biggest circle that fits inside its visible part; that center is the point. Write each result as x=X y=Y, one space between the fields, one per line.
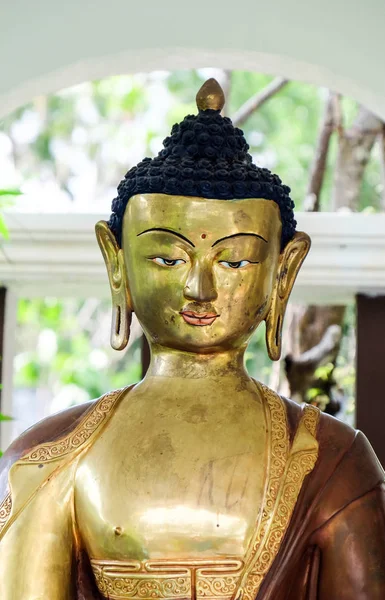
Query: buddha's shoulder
x=338 y=442
x=328 y=430
x=347 y=466
x=65 y=431
x=46 y=431
x=346 y=455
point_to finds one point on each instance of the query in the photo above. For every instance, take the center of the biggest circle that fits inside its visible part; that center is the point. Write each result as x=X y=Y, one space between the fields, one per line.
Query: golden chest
x=185 y=481
x=176 y=506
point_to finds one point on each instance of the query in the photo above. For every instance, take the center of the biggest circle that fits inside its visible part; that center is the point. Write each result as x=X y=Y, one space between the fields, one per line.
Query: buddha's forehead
x=201 y=215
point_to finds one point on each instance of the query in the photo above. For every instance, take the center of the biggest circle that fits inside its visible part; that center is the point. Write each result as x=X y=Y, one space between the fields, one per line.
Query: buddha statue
x=199 y=482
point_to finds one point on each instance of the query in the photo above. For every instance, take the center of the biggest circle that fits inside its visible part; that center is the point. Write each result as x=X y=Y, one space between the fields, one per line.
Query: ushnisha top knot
x=210 y=96
x=204 y=156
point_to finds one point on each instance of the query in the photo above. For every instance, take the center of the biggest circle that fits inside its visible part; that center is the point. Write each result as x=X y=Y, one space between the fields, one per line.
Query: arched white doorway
x=46 y=46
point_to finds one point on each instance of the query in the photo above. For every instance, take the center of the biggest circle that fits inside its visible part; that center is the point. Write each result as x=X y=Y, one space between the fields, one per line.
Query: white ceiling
x=47 y=45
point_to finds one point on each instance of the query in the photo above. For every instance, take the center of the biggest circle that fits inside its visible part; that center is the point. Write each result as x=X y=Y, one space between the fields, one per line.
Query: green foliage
x=313 y=393
x=5 y=418
x=57 y=350
x=324 y=372
x=3 y=229
x=282 y=133
x=257 y=360
x=117 y=113
x=6 y=196
x=181 y=83
x=10 y=193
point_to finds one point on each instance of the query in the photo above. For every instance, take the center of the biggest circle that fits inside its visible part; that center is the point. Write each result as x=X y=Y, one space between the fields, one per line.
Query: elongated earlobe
x=274 y=324
x=290 y=262
x=121 y=313
x=121 y=304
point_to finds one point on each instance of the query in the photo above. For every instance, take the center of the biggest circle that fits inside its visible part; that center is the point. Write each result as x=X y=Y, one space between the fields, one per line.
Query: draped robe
x=329 y=546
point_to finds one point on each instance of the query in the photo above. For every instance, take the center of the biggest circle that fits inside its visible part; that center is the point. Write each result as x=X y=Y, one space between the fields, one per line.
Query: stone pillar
x=370 y=386
x=8 y=317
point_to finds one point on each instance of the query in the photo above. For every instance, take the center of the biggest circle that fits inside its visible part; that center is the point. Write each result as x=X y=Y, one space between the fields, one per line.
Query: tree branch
x=323 y=351
x=354 y=149
x=318 y=168
x=337 y=113
x=257 y=100
x=300 y=370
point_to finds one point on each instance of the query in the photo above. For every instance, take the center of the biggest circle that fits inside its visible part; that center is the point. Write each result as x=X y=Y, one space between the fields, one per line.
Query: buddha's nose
x=200 y=284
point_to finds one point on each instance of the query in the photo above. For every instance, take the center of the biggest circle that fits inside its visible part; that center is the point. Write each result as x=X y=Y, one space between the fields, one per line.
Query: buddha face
x=200 y=272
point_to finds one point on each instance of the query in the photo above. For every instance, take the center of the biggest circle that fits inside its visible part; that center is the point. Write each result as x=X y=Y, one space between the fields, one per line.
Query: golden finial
x=210 y=96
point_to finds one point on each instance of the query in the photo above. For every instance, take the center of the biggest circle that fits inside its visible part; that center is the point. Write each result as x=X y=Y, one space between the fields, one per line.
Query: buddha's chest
x=184 y=483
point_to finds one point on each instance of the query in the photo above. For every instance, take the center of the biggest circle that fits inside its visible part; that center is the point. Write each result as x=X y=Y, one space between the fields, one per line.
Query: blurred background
x=65 y=154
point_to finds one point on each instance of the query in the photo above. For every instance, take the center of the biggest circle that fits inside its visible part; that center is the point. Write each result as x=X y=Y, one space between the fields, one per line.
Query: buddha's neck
x=166 y=362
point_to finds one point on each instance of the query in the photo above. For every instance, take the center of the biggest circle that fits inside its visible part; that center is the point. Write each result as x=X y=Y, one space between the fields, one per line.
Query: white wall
x=46 y=45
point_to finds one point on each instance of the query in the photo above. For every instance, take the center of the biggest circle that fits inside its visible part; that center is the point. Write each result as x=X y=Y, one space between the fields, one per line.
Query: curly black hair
x=205 y=156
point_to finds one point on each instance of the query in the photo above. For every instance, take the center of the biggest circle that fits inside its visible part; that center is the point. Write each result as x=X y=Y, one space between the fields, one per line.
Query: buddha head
x=201 y=243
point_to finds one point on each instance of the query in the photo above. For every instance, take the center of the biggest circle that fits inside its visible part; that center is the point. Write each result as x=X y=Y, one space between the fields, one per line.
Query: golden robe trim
x=75 y=439
x=5 y=511
x=211 y=579
x=288 y=469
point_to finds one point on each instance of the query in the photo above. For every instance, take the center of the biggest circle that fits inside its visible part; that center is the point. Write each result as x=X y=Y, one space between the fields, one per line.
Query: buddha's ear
x=117 y=277
x=290 y=261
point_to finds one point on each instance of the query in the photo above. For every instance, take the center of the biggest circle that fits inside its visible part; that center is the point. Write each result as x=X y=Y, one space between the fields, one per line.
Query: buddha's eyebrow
x=238 y=235
x=179 y=235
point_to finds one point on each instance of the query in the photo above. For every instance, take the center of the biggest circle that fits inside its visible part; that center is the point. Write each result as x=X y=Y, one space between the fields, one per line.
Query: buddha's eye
x=235 y=265
x=168 y=262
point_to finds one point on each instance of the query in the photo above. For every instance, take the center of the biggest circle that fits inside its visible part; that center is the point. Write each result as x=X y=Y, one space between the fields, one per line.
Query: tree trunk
x=355 y=146
x=316 y=331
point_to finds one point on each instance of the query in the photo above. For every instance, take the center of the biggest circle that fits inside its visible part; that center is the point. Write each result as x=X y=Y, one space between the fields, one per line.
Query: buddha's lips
x=200 y=319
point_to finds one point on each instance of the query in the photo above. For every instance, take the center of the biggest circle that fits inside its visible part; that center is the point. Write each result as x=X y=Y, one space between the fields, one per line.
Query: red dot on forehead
x=203 y=236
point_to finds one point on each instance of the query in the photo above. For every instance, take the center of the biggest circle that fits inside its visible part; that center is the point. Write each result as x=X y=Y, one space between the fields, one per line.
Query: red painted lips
x=200 y=319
